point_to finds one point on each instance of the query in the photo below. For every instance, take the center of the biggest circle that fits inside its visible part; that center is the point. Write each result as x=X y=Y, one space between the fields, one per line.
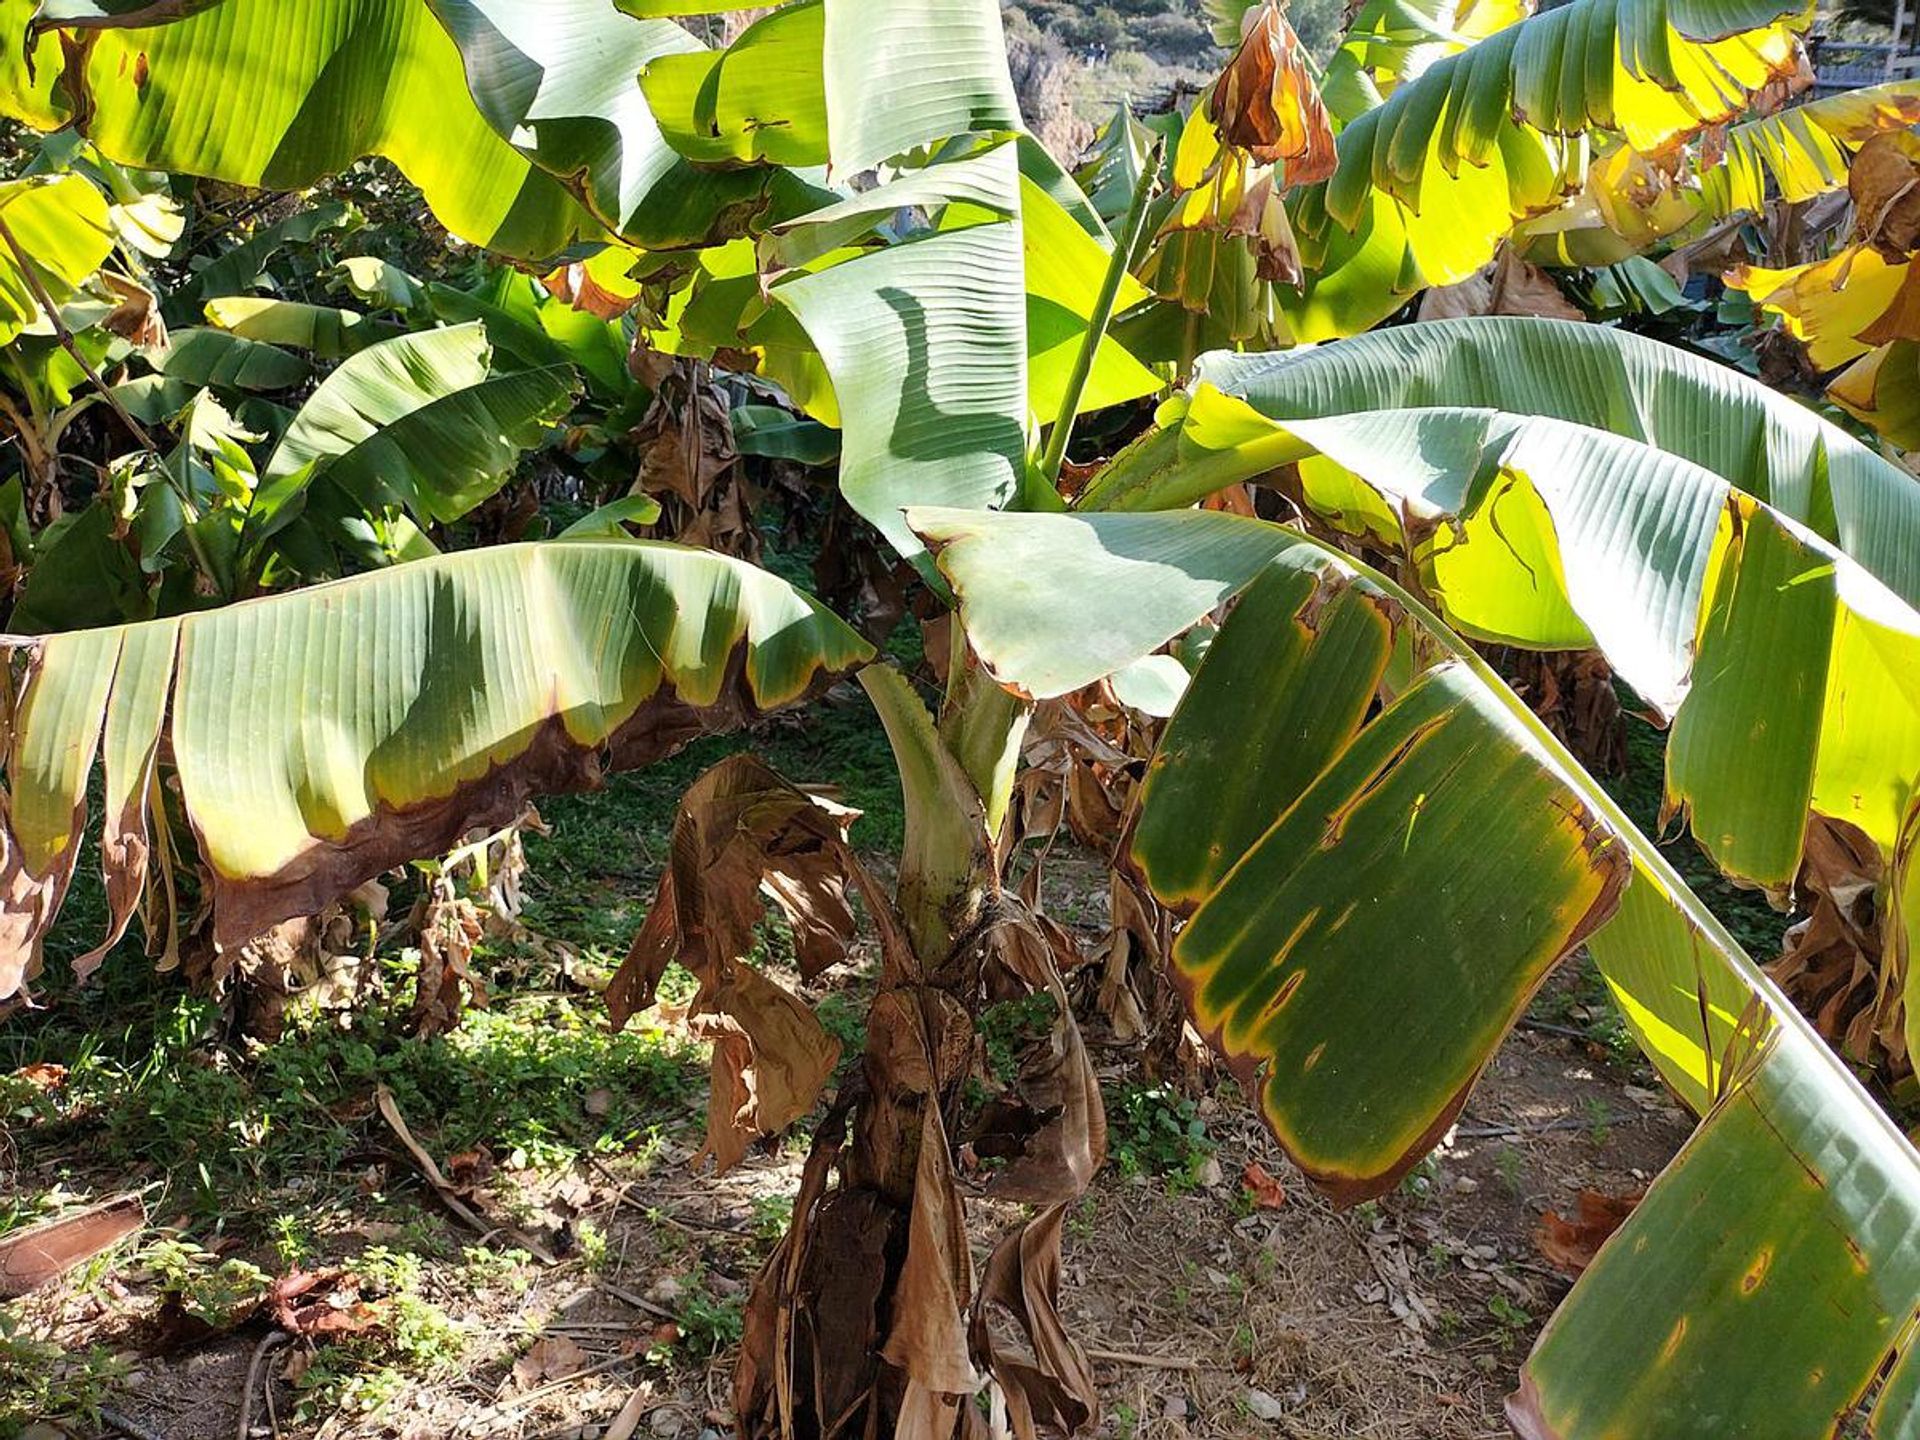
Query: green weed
x=41 y=1380
x=1155 y=1130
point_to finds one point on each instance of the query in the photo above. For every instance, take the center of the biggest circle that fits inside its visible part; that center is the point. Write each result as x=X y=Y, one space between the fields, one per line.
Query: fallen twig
x=450 y=1197
x=639 y=1302
x=268 y=1344
x=1487 y=1132
x=127 y=1425
x=1152 y=1362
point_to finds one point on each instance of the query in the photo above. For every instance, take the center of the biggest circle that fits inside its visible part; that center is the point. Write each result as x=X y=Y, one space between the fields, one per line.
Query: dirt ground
x=1207 y=1313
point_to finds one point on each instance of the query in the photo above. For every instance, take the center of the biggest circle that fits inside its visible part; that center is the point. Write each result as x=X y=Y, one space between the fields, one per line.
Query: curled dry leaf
x=317 y=1305
x=551 y=1357
x=1570 y=1245
x=1048 y=1385
x=467 y=1170
x=1884 y=181
x=1267 y=104
x=136 y=313
x=1266 y=1192
x=812 y=1324
x=688 y=460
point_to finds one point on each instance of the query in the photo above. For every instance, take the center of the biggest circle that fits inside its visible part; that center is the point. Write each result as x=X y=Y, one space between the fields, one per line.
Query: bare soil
x=1207 y=1314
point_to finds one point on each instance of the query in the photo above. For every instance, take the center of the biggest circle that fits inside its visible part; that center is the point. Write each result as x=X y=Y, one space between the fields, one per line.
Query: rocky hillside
x=1074 y=60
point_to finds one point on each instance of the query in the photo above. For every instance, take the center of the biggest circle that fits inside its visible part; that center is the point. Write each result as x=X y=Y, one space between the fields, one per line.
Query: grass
x=232 y=1134
x=255 y=1158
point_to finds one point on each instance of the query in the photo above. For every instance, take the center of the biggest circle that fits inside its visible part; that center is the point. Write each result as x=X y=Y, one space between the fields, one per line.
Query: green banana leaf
x=324 y=736
x=560 y=81
x=256 y=93
x=61 y=225
x=421 y=421
x=1752 y=436
x=1413 y=843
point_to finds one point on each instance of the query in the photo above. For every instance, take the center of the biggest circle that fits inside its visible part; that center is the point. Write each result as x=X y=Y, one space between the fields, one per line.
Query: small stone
x=1465 y=1184
x=1264 y=1406
x=664 y=1291
x=1175 y=1407
x=1211 y=1175
x=665 y=1422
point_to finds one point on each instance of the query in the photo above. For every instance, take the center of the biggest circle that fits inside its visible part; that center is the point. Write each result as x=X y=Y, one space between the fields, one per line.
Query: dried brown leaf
x=1266 y=103
x=771 y=1057
x=1509 y=286
x=742 y=831
x=1884 y=181
x=1048 y=1385
x=42 y=1253
x=551 y=1357
x=1570 y=1245
x=928 y=1340
x=1266 y=1192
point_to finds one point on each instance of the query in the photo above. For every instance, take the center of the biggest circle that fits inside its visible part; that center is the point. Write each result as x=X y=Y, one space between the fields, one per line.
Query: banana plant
x=1410 y=840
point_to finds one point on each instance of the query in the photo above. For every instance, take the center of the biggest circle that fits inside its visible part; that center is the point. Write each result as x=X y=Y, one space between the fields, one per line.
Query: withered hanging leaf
x=1884 y=181
x=742 y=832
x=771 y=1058
x=1051 y=1385
x=1051 y=1127
x=1267 y=104
x=136 y=313
x=42 y=1253
x=447 y=983
x=1837 y=963
x=928 y=1340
